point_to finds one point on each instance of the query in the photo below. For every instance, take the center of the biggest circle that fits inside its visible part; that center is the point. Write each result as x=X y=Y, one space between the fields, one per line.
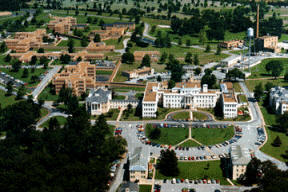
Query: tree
x=188 y=43
x=7 y=58
x=128 y=58
x=286 y=76
x=171 y=84
x=258 y=92
x=21 y=92
x=40 y=50
x=208 y=49
x=277 y=142
x=202 y=37
x=282 y=121
x=145 y=61
x=34 y=78
x=196 y=60
x=218 y=51
x=70 y=46
x=33 y=60
x=155 y=133
x=159 y=79
x=188 y=58
x=16 y=65
x=277 y=70
x=163 y=58
x=3 y=47
x=9 y=88
x=97 y=38
x=168 y=163
x=268 y=86
x=197 y=71
x=179 y=41
x=25 y=73
x=218 y=110
x=275 y=66
x=235 y=73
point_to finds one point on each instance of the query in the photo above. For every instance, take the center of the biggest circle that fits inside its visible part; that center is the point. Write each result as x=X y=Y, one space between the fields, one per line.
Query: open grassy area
x=5 y=101
x=64 y=43
x=259 y=70
x=145 y=188
x=242 y=98
x=237 y=87
x=47 y=96
x=119 y=97
x=277 y=82
x=110 y=116
x=170 y=136
x=199 y=116
x=198 y=170
x=271 y=120
x=60 y=119
x=18 y=75
x=189 y=143
x=102 y=72
x=210 y=136
x=181 y=115
x=115 y=42
x=127 y=89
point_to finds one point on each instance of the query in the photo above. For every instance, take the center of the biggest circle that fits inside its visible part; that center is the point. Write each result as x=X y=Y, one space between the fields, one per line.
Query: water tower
x=250 y=36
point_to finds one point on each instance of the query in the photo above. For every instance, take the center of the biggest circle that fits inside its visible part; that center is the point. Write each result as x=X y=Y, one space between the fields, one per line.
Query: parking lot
x=5 y=78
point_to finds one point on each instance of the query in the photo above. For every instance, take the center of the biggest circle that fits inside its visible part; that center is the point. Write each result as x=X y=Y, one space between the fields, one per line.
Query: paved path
x=48 y=77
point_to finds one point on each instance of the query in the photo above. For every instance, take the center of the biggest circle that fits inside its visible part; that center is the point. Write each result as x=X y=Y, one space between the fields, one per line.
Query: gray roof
x=137 y=161
x=279 y=94
x=240 y=155
x=99 y=96
x=133 y=187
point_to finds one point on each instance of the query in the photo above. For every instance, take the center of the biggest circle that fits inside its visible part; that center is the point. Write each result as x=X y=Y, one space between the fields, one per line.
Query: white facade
x=229 y=105
x=230 y=61
x=278 y=99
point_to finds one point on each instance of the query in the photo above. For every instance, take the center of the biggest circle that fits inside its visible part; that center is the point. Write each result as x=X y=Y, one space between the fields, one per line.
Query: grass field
x=237 y=87
x=145 y=188
x=118 y=45
x=18 y=75
x=259 y=70
x=110 y=116
x=102 y=72
x=60 y=119
x=120 y=97
x=277 y=82
x=189 y=143
x=199 y=116
x=47 y=96
x=198 y=170
x=5 y=101
x=64 y=43
x=181 y=115
x=242 y=98
x=210 y=136
x=270 y=120
x=170 y=136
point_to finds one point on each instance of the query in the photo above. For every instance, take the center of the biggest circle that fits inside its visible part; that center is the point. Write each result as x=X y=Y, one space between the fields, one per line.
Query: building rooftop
x=150 y=94
x=279 y=94
x=99 y=95
x=229 y=97
x=240 y=155
x=137 y=161
x=196 y=84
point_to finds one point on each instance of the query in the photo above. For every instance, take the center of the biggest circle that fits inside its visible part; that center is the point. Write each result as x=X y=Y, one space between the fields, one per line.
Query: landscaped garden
x=145 y=188
x=189 y=143
x=184 y=115
x=211 y=136
x=198 y=170
x=61 y=120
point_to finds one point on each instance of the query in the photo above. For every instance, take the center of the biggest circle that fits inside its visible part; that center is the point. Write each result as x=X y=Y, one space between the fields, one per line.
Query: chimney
x=257 y=27
x=205 y=88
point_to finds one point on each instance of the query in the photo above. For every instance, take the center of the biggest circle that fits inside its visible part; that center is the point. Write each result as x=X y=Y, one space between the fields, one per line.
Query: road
x=50 y=115
x=44 y=82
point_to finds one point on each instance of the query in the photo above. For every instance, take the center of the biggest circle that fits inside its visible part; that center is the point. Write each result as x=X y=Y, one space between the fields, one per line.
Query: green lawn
x=127 y=89
x=277 y=82
x=237 y=87
x=102 y=72
x=47 y=96
x=118 y=45
x=5 y=101
x=199 y=116
x=110 y=116
x=242 y=98
x=119 y=97
x=145 y=188
x=270 y=120
x=181 y=115
x=162 y=112
x=211 y=136
x=170 y=136
x=189 y=143
x=64 y=43
x=259 y=70
x=18 y=75
x=198 y=170
x=61 y=120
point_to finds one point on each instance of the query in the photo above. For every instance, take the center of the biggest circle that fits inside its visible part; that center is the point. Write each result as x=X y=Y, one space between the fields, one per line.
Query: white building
x=183 y=95
x=240 y=157
x=278 y=99
x=100 y=101
x=229 y=101
x=230 y=61
x=138 y=166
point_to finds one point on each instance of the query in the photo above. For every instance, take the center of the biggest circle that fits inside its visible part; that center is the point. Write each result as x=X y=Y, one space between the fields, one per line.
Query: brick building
x=111 y=33
x=138 y=73
x=154 y=55
x=24 y=41
x=99 y=47
x=79 y=77
x=267 y=43
x=231 y=44
x=127 y=25
x=62 y=24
